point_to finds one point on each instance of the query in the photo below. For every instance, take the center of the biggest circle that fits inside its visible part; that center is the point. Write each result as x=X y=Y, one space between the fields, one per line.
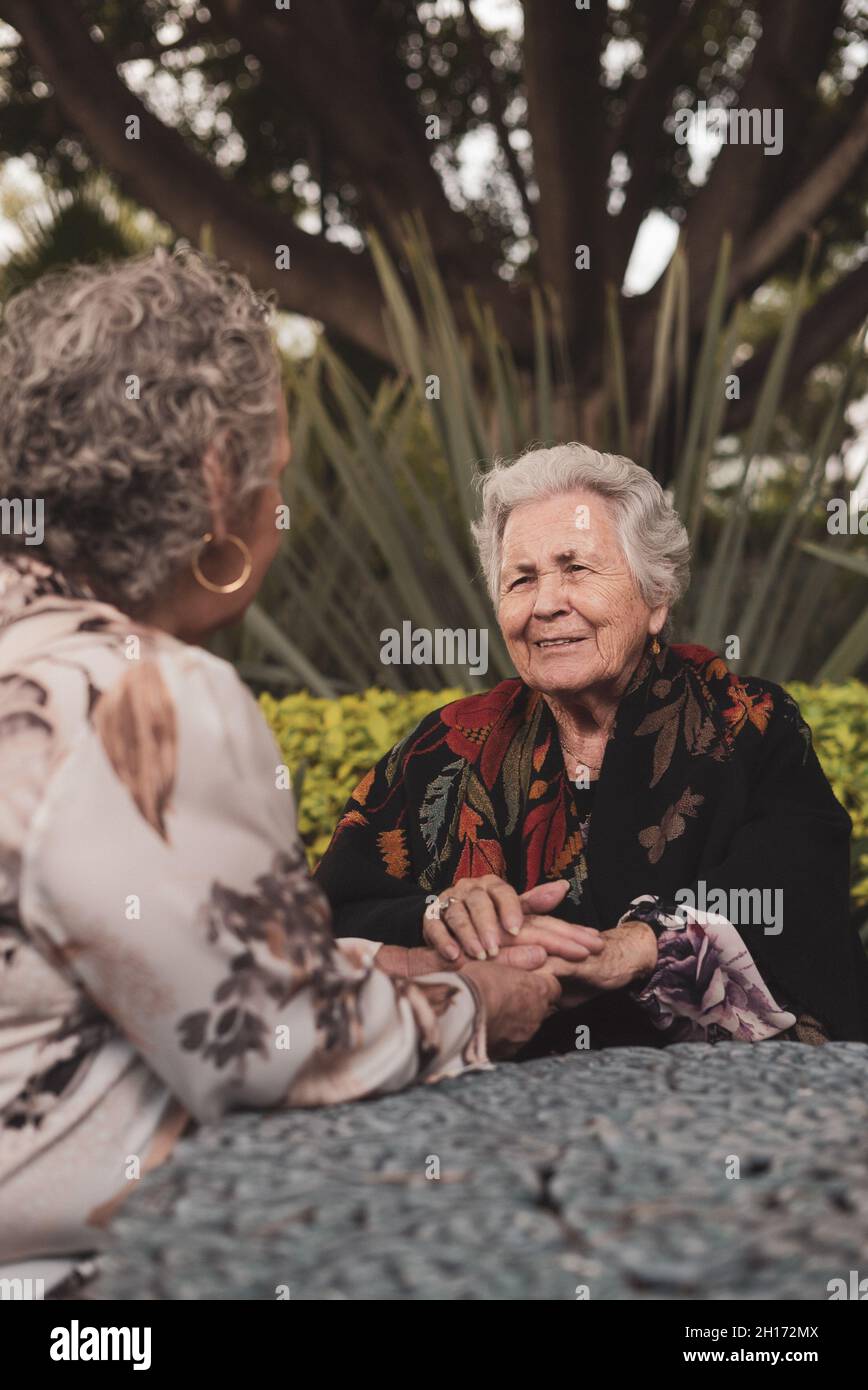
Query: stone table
x=611 y=1170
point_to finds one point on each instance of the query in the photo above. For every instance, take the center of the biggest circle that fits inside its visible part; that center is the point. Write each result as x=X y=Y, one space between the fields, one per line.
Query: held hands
x=554 y=964
x=628 y=957
x=485 y=915
x=516 y=1001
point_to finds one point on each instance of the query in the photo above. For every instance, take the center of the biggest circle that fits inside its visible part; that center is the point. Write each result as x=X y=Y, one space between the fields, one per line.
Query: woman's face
x=569 y=610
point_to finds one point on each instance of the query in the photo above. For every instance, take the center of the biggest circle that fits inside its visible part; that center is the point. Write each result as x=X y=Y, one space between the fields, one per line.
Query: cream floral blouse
x=163 y=952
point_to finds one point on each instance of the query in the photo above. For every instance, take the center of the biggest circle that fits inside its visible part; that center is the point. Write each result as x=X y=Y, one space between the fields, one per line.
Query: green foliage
x=381 y=491
x=838 y=716
x=90 y=225
x=329 y=745
x=751 y=576
x=383 y=497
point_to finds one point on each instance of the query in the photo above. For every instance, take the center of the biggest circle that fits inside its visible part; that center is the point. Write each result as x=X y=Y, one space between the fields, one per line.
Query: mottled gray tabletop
x=735 y=1171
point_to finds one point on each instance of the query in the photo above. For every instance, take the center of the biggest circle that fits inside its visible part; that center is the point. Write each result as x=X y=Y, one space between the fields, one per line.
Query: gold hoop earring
x=655 y=647
x=236 y=584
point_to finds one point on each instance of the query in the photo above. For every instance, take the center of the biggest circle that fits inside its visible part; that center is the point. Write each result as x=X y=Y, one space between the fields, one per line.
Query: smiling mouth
x=558 y=641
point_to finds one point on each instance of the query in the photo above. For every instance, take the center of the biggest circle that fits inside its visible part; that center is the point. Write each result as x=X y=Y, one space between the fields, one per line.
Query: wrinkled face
x=570 y=612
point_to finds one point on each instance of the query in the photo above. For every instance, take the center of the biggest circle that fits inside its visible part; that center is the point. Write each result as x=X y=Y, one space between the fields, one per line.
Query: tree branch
x=566 y=118
x=803 y=206
x=641 y=133
x=668 y=23
x=786 y=64
x=328 y=65
x=312 y=53
x=840 y=312
x=326 y=281
x=744 y=181
x=198 y=31
x=497 y=108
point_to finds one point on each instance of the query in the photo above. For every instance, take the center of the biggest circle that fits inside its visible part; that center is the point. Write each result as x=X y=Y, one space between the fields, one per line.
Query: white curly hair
x=651 y=533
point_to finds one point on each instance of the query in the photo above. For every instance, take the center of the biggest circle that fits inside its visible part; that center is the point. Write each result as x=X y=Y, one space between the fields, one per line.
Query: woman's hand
x=516 y=1003
x=485 y=914
x=628 y=955
x=424 y=960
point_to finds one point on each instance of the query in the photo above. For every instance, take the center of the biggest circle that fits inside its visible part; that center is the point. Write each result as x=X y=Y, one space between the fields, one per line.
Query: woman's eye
x=571 y=568
x=523 y=579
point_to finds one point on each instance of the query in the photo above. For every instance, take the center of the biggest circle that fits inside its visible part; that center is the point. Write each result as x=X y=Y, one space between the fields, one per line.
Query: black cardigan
x=709 y=777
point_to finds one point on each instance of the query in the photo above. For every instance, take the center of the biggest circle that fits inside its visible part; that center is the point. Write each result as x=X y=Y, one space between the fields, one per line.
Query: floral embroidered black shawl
x=708 y=777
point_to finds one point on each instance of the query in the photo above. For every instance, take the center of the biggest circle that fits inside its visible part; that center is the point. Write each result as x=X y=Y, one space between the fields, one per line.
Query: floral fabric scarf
x=710 y=782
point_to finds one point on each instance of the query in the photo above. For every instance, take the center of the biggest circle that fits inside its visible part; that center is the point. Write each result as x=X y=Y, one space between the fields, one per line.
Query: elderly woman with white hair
x=675 y=811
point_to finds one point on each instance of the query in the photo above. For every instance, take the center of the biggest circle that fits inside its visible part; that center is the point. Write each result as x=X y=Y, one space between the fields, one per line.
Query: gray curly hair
x=113 y=383
x=651 y=533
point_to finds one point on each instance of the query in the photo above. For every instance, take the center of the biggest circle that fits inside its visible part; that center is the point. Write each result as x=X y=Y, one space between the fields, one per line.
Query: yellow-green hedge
x=838 y=716
x=329 y=745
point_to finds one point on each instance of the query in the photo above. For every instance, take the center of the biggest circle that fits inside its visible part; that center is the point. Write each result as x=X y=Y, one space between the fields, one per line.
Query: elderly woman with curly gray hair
x=164 y=955
x=672 y=810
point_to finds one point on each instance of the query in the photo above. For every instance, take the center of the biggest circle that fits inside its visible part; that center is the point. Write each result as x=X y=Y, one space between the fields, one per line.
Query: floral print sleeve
x=191 y=919
x=164 y=953
x=706 y=986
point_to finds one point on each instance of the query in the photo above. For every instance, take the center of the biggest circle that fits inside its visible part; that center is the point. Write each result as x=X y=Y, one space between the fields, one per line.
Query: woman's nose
x=550 y=598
